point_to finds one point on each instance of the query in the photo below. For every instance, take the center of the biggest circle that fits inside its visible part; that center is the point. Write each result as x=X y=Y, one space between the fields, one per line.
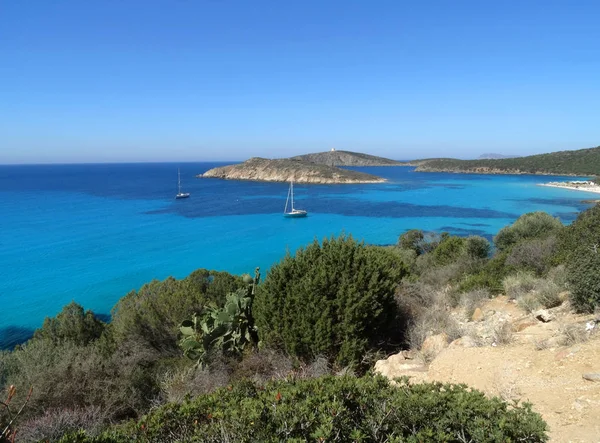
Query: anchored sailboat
x=179 y=193
x=293 y=213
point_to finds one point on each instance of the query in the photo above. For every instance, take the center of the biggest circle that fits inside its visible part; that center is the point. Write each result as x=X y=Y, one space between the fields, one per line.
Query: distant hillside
x=580 y=162
x=284 y=170
x=346 y=158
x=492 y=156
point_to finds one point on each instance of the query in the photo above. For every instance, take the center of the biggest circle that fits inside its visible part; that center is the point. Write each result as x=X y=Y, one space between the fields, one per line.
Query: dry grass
x=429 y=311
x=573 y=333
x=54 y=423
x=473 y=299
x=503 y=334
x=535 y=293
x=518 y=285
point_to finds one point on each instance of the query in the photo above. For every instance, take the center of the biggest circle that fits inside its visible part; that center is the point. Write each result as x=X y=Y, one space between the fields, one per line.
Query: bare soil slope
x=543 y=363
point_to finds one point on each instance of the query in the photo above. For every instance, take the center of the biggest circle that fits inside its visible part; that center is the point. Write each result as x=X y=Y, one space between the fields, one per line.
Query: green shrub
x=583 y=232
x=155 y=312
x=528 y=226
x=534 y=255
x=488 y=276
x=368 y=409
x=477 y=247
x=411 y=240
x=449 y=250
x=334 y=299
x=419 y=241
x=71 y=324
x=584 y=280
x=519 y=284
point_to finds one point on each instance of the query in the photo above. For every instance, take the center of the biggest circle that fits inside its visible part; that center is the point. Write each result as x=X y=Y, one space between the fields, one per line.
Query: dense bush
x=534 y=255
x=488 y=276
x=367 y=409
x=71 y=324
x=477 y=247
x=449 y=250
x=334 y=299
x=584 y=280
x=528 y=226
x=154 y=313
x=419 y=241
x=583 y=232
x=75 y=362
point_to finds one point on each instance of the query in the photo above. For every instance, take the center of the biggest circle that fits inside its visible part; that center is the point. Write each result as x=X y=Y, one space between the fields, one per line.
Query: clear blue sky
x=148 y=80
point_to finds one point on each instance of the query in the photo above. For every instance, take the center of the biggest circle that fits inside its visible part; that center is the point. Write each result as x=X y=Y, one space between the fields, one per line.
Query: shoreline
x=574 y=186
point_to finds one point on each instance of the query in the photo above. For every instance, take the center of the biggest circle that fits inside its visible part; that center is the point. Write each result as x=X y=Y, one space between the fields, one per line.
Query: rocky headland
x=346 y=158
x=285 y=170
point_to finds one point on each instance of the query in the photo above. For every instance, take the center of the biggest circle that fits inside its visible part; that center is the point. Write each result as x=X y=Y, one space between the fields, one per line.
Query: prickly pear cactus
x=228 y=329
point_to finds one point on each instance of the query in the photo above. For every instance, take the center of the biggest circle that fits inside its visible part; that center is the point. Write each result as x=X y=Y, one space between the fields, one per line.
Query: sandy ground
x=574 y=187
x=534 y=367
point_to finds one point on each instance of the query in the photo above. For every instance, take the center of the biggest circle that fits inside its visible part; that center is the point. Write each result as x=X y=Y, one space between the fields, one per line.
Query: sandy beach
x=586 y=186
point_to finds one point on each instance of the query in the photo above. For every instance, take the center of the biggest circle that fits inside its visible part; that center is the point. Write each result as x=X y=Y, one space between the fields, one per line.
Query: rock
x=464 y=342
x=544 y=316
x=396 y=366
x=477 y=315
x=592 y=376
x=408 y=354
x=433 y=345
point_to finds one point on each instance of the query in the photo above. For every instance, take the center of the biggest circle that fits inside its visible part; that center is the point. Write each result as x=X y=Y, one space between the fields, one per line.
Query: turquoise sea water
x=91 y=233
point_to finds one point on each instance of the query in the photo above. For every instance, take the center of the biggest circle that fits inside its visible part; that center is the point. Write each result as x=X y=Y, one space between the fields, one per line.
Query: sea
x=93 y=232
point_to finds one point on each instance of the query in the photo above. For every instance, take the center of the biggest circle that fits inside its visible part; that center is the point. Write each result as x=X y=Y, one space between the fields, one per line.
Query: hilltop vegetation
x=217 y=355
x=579 y=162
x=285 y=170
x=346 y=158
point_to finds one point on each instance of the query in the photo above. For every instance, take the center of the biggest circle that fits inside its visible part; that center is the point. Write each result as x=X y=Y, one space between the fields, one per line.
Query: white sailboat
x=293 y=213
x=179 y=193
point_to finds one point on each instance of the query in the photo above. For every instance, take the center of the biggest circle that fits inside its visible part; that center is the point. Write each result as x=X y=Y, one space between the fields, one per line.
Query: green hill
x=579 y=162
x=346 y=158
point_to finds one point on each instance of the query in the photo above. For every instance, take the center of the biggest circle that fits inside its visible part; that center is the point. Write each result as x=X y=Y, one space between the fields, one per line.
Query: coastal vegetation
x=578 y=162
x=215 y=356
x=285 y=170
x=346 y=158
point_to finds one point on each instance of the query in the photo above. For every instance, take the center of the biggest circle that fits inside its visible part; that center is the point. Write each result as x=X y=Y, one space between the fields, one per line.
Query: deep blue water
x=91 y=233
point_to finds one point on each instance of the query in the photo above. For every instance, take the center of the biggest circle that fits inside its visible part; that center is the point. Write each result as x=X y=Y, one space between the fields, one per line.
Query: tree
x=528 y=226
x=334 y=299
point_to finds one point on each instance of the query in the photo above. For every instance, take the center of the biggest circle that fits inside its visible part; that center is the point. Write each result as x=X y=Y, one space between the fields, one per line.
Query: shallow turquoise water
x=91 y=233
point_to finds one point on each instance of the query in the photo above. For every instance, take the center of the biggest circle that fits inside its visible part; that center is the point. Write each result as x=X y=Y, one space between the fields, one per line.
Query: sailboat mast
x=292 y=191
x=178 y=182
x=287 y=200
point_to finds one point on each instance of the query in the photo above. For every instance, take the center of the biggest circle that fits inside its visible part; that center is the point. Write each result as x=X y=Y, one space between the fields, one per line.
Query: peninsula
x=346 y=158
x=284 y=170
x=580 y=162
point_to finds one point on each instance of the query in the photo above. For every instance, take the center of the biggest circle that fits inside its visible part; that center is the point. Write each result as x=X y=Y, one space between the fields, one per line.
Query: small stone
x=408 y=354
x=592 y=376
x=543 y=316
x=477 y=315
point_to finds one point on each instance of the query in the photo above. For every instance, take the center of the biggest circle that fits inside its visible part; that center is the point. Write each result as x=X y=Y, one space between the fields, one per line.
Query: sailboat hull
x=295 y=214
x=182 y=195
